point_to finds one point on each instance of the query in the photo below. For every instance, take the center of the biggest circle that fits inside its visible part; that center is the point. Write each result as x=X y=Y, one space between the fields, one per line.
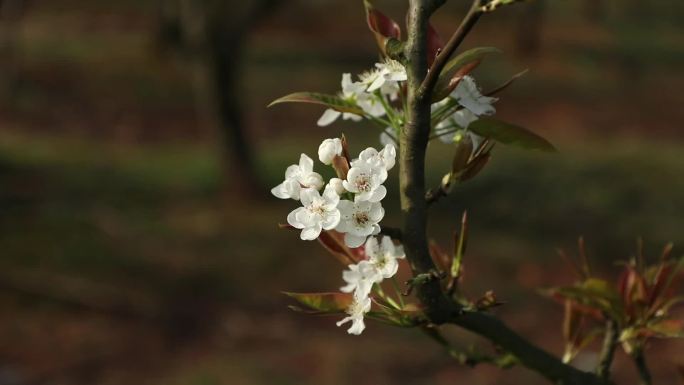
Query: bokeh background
x=138 y=241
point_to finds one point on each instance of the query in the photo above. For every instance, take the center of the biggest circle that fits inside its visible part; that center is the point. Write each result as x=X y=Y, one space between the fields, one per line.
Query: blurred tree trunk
x=10 y=15
x=530 y=27
x=214 y=32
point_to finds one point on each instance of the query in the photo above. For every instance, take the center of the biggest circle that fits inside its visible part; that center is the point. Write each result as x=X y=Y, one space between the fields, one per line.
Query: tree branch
x=438 y=307
x=608 y=350
x=641 y=366
x=527 y=354
x=414 y=139
x=454 y=42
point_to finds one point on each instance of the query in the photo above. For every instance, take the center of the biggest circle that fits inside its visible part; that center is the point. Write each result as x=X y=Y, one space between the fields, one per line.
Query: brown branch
x=529 y=355
x=438 y=307
x=642 y=368
x=454 y=42
x=414 y=139
x=610 y=342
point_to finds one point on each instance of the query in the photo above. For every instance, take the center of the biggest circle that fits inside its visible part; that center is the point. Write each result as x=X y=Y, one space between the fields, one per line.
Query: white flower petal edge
x=469 y=96
x=389 y=72
x=298 y=177
x=328 y=117
x=356 y=311
x=319 y=212
x=384 y=159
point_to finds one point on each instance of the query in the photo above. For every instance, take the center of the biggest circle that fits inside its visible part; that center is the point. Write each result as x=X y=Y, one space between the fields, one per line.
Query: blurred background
x=138 y=241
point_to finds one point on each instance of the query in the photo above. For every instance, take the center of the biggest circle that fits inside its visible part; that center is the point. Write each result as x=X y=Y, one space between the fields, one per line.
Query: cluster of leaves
x=639 y=305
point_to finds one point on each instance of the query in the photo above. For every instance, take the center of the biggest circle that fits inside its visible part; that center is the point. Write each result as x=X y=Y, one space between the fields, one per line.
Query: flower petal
x=328 y=117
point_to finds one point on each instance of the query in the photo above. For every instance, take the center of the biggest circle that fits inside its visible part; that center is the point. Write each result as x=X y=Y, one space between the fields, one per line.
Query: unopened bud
x=329 y=149
x=336 y=183
x=341 y=166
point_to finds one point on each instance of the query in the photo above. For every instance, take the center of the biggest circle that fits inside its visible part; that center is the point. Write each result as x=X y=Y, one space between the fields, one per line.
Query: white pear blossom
x=329 y=149
x=360 y=279
x=356 y=311
x=391 y=72
x=386 y=158
x=469 y=96
x=448 y=128
x=338 y=185
x=388 y=88
x=359 y=220
x=383 y=257
x=319 y=212
x=298 y=177
x=350 y=91
x=365 y=181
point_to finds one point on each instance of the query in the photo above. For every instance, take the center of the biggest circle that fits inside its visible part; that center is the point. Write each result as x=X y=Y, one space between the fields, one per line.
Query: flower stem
x=642 y=368
x=398 y=291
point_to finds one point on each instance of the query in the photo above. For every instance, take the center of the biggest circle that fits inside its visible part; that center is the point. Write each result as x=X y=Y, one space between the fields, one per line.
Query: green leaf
x=327 y=303
x=668 y=328
x=510 y=134
x=458 y=67
x=332 y=101
x=594 y=293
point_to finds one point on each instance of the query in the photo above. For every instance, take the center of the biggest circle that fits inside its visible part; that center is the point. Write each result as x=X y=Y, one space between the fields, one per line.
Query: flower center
x=317 y=208
x=361 y=218
x=362 y=183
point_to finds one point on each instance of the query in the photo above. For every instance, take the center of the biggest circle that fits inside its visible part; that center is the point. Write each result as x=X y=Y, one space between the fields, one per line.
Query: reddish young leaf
x=458 y=67
x=381 y=25
x=439 y=256
x=334 y=243
x=434 y=44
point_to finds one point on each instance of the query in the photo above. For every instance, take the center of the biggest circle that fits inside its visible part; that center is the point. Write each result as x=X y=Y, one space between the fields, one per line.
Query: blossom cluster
x=350 y=204
x=382 y=263
x=376 y=92
x=369 y=93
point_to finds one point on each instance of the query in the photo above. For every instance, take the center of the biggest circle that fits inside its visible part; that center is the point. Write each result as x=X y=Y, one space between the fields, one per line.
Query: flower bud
x=329 y=149
x=336 y=183
x=341 y=166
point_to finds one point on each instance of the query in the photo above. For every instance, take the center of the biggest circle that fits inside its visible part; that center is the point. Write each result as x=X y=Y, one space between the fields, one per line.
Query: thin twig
x=610 y=342
x=454 y=42
x=641 y=366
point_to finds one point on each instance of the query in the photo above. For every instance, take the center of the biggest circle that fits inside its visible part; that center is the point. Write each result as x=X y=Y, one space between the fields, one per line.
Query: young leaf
x=434 y=44
x=458 y=67
x=332 y=101
x=327 y=303
x=383 y=27
x=511 y=134
x=334 y=243
x=594 y=293
x=506 y=84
